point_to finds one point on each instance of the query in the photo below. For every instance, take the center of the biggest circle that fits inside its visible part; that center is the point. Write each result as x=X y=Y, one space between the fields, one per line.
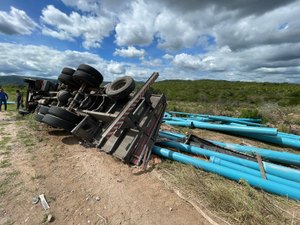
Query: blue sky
x=209 y=39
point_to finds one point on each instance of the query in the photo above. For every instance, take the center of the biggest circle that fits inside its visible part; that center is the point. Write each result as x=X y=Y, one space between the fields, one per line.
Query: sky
x=235 y=40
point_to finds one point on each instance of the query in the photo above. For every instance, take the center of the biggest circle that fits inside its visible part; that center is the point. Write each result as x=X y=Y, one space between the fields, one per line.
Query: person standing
x=3 y=99
x=19 y=99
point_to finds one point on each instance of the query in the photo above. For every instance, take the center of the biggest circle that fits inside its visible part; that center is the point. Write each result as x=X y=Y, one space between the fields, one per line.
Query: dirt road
x=81 y=185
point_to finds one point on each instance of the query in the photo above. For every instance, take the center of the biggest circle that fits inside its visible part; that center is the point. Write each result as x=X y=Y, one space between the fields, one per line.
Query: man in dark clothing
x=3 y=99
x=19 y=99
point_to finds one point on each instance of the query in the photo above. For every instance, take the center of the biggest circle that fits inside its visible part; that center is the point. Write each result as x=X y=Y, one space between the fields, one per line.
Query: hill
x=16 y=80
x=228 y=92
x=11 y=80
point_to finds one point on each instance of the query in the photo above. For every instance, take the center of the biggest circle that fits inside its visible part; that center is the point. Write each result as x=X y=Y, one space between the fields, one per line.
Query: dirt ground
x=81 y=185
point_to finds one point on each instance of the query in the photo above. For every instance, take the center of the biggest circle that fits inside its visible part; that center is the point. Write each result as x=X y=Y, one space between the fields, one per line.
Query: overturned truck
x=113 y=118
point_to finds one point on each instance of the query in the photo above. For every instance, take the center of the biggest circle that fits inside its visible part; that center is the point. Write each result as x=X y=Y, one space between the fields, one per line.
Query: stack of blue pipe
x=280 y=180
x=246 y=127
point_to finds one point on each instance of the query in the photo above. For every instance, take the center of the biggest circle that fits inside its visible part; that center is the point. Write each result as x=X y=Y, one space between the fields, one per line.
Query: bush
x=250 y=113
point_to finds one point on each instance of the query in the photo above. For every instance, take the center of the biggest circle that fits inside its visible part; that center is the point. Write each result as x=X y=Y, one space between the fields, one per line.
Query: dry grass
x=8 y=182
x=236 y=203
x=4 y=141
x=4 y=163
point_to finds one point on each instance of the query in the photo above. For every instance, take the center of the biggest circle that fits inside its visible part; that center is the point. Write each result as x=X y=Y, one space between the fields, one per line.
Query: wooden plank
x=261 y=166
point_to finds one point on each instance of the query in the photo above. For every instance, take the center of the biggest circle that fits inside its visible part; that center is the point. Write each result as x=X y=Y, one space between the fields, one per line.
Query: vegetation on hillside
x=17 y=80
x=232 y=93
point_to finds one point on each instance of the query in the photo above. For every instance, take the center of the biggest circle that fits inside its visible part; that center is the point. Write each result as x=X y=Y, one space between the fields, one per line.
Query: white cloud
x=188 y=24
x=152 y=62
x=176 y=35
x=84 y=5
x=16 y=22
x=61 y=35
x=187 y=61
x=33 y=60
x=234 y=40
x=116 y=68
x=139 y=74
x=42 y=61
x=258 y=63
x=136 y=26
x=210 y=62
x=130 y=52
x=92 y=29
x=260 y=30
x=98 y=7
x=168 y=56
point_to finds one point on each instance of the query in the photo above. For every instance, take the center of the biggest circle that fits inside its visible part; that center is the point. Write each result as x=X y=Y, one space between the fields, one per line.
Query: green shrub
x=250 y=113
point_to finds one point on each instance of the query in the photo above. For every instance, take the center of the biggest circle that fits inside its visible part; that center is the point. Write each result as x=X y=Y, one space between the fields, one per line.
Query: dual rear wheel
x=84 y=74
x=57 y=117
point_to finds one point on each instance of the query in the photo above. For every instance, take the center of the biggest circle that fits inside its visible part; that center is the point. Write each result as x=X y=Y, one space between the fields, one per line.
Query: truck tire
x=38 y=117
x=120 y=88
x=64 y=114
x=68 y=71
x=91 y=70
x=67 y=79
x=57 y=122
x=88 y=79
x=43 y=109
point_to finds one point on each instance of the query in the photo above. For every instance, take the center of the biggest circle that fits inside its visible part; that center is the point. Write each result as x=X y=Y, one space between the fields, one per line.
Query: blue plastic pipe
x=213 y=119
x=276 y=156
x=167 y=115
x=234 y=120
x=199 y=119
x=220 y=117
x=279 y=140
x=282 y=157
x=187 y=114
x=269 y=135
x=170 y=135
x=230 y=128
x=173 y=119
x=276 y=170
x=224 y=128
x=183 y=123
x=253 y=172
x=269 y=186
x=235 y=124
x=286 y=135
